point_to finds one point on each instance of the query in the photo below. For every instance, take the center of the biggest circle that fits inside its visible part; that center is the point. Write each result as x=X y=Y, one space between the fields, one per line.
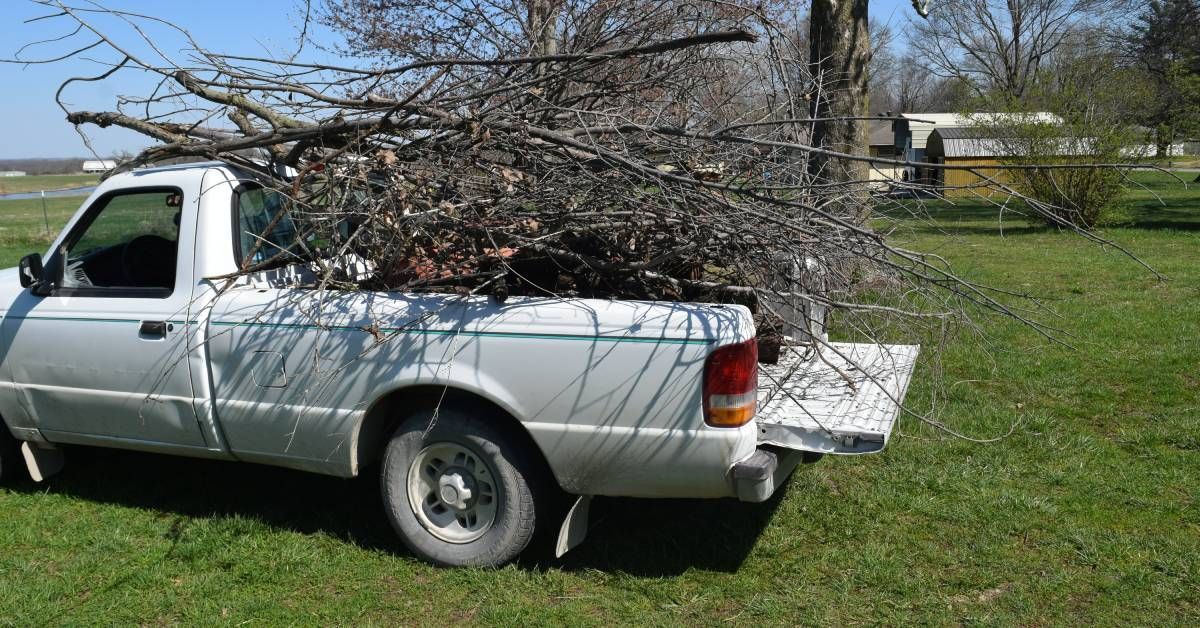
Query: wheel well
x=384 y=415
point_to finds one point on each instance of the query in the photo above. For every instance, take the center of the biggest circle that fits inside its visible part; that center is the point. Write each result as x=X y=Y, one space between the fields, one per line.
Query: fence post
x=45 y=214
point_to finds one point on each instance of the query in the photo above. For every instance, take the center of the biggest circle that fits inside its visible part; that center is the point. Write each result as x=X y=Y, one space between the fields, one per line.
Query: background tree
x=1164 y=43
x=69 y=165
x=911 y=88
x=1096 y=99
x=999 y=46
x=839 y=41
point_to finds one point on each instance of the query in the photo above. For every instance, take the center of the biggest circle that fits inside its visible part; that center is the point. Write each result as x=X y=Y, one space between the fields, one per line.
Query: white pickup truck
x=476 y=414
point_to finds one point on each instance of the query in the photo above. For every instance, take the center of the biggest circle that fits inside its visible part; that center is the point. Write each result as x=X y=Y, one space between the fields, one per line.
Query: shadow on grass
x=1176 y=214
x=636 y=536
x=666 y=537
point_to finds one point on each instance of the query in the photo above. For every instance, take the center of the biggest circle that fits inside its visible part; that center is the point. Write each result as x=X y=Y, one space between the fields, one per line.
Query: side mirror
x=31 y=270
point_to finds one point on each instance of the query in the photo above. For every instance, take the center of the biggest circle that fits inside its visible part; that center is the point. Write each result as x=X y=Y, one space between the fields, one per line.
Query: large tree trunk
x=543 y=27
x=839 y=49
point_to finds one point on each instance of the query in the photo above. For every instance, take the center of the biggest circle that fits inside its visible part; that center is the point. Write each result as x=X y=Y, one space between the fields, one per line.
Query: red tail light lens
x=731 y=384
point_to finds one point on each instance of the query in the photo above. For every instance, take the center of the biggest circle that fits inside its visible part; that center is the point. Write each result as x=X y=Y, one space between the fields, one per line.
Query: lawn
x=23 y=225
x=1087 y=514
x=48 y=182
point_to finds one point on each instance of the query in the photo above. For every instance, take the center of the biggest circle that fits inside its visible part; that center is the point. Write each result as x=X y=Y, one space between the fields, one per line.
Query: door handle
x=153 y=329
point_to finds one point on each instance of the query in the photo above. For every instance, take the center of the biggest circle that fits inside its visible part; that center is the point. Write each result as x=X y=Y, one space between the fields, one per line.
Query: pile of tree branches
x=647 y=150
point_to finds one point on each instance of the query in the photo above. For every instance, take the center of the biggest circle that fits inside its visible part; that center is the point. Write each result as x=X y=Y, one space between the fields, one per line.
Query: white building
x=12 y=173
x=1146 y=148
x=96 y=166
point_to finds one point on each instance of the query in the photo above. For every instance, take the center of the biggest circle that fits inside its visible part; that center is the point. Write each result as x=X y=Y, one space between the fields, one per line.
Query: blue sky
x=32 y=125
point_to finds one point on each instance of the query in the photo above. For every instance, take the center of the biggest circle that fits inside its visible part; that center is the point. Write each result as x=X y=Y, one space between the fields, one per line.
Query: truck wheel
x=464 y=492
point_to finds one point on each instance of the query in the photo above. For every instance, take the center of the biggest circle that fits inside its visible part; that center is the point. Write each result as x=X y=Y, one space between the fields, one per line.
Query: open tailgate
x=844 y=401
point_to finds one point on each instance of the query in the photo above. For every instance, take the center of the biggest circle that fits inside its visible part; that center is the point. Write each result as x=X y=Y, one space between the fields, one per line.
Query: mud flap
x=574 y=527
x=42 y=461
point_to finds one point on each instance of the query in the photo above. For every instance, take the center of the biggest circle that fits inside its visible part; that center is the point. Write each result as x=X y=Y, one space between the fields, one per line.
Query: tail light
x=731 y=384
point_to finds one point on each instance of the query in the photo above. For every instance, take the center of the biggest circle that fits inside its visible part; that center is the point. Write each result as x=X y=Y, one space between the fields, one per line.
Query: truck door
x=102 y=358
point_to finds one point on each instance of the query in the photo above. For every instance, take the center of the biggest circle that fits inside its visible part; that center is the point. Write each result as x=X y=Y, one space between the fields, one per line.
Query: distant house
x=882 y=144
x=98 y=166
x=881 y=140
x=12 y=173
x=911 y=133
x=1148 y=149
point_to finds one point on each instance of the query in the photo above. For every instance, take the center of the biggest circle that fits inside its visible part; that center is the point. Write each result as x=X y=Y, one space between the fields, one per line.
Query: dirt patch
x=985 y=596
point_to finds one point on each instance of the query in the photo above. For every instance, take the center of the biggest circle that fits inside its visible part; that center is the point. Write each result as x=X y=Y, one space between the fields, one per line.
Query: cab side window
x=129 y=241
x=264 y=228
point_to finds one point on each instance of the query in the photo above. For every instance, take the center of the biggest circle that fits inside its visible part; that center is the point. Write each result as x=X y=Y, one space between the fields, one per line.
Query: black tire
x=515 y=498
x=12 y=465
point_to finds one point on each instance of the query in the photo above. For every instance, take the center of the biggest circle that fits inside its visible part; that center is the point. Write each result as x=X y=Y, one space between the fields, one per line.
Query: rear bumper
x=756 y=478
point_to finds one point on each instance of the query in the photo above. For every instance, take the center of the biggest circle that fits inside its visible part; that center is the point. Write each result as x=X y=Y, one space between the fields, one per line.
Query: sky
x=31 y=123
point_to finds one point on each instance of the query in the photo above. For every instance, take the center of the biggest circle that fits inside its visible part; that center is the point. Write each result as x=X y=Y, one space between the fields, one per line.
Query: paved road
x=83 y=191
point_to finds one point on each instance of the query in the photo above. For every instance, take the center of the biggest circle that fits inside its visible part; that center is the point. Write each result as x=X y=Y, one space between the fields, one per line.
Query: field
x=23 y=225
x=37 y=183
x=1087 y=514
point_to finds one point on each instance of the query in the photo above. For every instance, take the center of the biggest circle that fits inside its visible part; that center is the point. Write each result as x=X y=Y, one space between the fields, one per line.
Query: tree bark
x=839 y=49
x=543 y=27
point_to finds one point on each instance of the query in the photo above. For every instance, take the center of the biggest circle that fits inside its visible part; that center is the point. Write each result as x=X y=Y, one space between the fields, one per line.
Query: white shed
x=98 y=165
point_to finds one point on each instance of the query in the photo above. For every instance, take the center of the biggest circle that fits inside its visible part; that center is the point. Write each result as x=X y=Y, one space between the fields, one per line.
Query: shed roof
x=920 y=125
x=880 y=133
x=961 y=142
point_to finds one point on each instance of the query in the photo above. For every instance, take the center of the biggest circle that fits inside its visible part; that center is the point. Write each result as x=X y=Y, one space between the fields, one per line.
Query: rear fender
x=375 y=428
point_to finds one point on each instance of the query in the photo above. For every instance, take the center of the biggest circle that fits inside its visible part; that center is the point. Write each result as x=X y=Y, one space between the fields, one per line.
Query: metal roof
x=941 y=145
x=975 y=142
x=880 y=133
x=964 y=133
x=920 y=125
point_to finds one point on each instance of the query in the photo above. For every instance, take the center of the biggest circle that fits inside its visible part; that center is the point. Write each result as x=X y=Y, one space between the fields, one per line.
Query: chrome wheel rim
x=453 y=492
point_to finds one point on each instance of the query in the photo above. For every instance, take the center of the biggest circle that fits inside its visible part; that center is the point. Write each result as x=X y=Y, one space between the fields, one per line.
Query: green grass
x=23 y=225
x=1088 y=514
x=48 y=182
